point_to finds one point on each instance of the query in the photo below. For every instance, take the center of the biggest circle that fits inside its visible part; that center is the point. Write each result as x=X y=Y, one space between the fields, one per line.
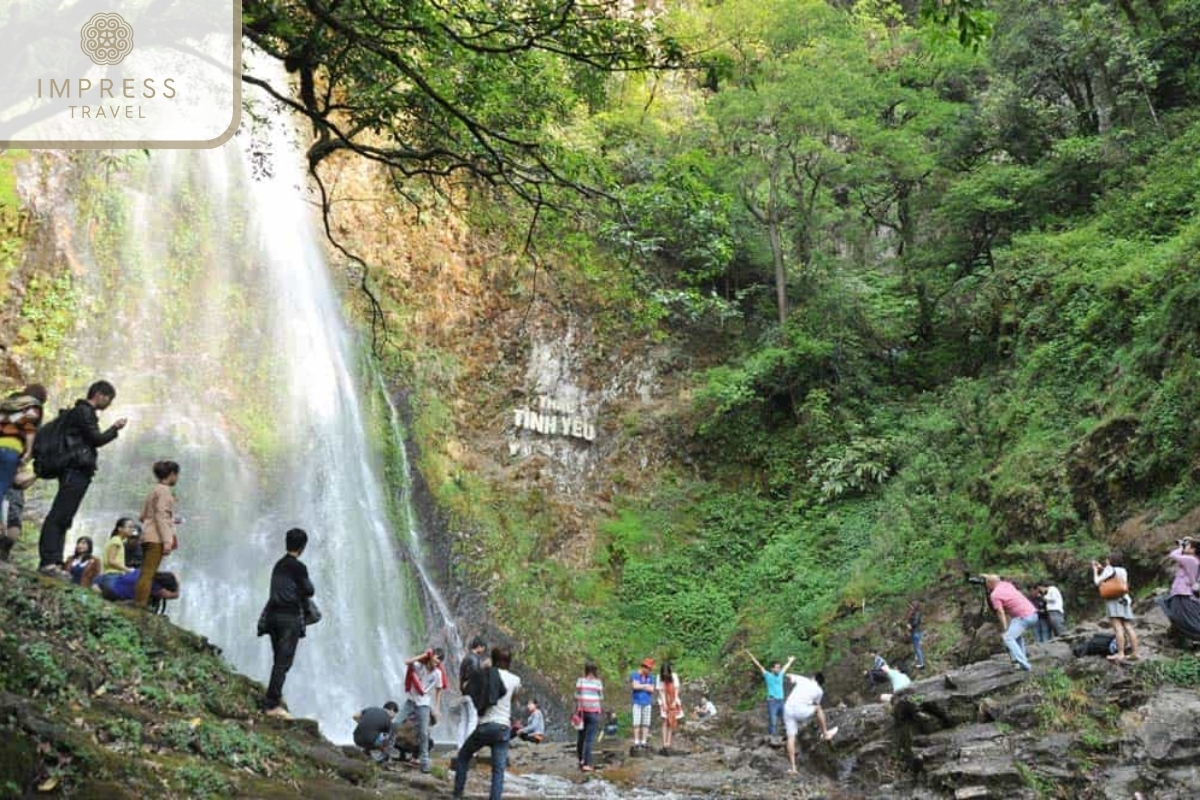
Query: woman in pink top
x=1016 y=615
x=589 y=693
x=158 y=533
x=1182 y=607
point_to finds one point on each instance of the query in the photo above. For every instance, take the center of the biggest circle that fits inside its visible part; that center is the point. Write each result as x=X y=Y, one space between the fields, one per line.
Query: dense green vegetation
x=951 y=295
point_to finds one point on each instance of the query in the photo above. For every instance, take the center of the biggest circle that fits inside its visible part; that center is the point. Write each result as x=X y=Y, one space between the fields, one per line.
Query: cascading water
x=217 y=321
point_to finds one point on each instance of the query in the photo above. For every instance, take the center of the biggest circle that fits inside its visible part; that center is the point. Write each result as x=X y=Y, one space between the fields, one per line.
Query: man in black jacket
x=290 y=588
x=81 y=429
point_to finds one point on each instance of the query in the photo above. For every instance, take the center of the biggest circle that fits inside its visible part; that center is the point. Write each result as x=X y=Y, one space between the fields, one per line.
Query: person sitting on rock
x=803 y=703
x=375 y=732
x=612 y=726
x=534 y=727
x=83 y=566
x=705 y=708
x=114 y=551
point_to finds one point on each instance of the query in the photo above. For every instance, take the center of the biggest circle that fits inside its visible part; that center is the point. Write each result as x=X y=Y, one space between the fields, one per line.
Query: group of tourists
x=66 y=450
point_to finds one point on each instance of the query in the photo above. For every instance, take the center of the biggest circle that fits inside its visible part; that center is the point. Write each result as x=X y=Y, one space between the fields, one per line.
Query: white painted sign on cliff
x=556 y=418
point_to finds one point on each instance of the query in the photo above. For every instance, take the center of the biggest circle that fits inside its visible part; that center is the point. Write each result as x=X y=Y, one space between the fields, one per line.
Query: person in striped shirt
x=589 y=694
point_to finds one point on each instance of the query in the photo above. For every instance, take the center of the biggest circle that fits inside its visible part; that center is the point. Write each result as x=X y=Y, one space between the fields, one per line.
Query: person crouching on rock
x=1016 y=615
x=803 y=703
x=375 y=732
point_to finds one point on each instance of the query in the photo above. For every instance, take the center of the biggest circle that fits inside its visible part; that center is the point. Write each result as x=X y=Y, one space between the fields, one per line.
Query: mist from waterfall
x=215 y=316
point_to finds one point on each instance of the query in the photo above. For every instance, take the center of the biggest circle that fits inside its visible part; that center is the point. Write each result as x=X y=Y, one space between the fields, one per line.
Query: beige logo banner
x=101 y=74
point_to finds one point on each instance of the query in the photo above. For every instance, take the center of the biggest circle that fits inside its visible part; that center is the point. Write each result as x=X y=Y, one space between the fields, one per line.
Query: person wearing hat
x=642 y=684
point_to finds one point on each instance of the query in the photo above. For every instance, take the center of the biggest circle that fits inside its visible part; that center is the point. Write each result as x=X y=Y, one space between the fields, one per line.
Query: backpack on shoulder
x=485 y=688
x=51 y=450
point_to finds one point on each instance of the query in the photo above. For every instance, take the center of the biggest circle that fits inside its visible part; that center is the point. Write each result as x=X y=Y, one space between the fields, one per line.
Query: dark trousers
x=72 y=486
x=490 y=734
x=285 y=635
x=586 y=737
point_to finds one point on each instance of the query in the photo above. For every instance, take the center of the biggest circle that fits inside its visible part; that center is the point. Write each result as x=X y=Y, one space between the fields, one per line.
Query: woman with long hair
x=670 y=704
x=83 y=565
x=589 y=694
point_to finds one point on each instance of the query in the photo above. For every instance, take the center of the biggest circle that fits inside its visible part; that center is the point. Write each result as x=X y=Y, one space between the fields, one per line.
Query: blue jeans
x=774 y=712
x=420 y=718
x=918 y=653
x=10 y=462
x=489 y=734
x=1013 y=638
x=583 y=742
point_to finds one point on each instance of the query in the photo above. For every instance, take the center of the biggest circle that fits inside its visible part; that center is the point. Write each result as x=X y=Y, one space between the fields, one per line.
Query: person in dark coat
x=83 y=435
x=284 y=616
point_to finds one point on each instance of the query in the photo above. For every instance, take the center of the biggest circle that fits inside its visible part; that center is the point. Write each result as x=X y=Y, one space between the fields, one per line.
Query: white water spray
x=219 y=325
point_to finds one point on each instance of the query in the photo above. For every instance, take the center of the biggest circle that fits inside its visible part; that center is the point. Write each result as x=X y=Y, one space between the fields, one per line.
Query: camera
x=975 y=579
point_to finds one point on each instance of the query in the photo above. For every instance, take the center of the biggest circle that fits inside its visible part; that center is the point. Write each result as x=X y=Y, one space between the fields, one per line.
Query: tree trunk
x=780 y=277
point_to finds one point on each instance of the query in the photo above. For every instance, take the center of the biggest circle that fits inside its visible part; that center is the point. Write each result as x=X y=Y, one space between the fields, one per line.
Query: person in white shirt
x=804 y=703
x=1055 y=610
x=494 y=730
x=705 y=708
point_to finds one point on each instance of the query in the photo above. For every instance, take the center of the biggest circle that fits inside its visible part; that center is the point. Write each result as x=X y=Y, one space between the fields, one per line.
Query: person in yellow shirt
x=114 y=551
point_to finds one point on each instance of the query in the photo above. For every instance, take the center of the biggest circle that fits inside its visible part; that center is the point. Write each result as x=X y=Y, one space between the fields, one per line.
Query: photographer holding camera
x=1182 y=606
x=1016 y=615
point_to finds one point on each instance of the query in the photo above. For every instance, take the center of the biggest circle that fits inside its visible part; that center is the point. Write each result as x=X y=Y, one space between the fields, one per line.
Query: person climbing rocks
x=912 y=621
x=641 y=684
x=81 y=433
x=773 y=678
x=899 y=681
x=803 y=703
x=158 y=518
x=284 y=616
x=494 y=730
x=1016 y=615
x=20 y=415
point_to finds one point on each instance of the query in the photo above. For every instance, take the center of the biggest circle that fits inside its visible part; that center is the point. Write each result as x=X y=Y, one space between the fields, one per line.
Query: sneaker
x=279 y=712
x=829 y=734
x=378 y=756
x=54 y=571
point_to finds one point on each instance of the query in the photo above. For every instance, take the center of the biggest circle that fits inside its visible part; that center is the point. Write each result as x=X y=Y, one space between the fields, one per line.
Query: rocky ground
x=97 y=698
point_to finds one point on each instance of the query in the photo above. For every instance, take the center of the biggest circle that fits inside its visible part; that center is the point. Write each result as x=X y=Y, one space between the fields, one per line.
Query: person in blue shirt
x=642 y=686
x=773 y=678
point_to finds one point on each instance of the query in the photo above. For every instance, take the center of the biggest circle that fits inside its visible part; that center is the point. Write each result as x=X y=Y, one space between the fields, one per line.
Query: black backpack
x=1100 y=644
x=485 y=688
x=51 y=450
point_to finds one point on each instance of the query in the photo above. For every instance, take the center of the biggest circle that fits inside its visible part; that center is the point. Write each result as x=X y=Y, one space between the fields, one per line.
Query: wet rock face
x=1169 y=733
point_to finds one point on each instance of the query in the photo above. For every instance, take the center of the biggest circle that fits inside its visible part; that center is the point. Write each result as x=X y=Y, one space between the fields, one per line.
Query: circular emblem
x=106 y=38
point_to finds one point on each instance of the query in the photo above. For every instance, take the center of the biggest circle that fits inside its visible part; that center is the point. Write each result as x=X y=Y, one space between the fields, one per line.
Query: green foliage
x=1182 y=671
x=201 y=780
x=48 y=316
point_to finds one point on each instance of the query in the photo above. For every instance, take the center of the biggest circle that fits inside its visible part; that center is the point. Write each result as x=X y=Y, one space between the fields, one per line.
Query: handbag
x=312 y=614
x=1112 y=588
x=577 y=720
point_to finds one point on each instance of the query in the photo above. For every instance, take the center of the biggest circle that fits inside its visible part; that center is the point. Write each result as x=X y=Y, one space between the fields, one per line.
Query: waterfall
x=209 y=305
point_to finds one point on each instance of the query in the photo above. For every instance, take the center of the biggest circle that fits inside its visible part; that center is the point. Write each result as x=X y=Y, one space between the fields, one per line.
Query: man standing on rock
x=473 y=662
x=804 y=703
x=1016 y=615
x=641 y=682
x=81 y=433
x=494 y=730
x=773 y=678
x=284 y=616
